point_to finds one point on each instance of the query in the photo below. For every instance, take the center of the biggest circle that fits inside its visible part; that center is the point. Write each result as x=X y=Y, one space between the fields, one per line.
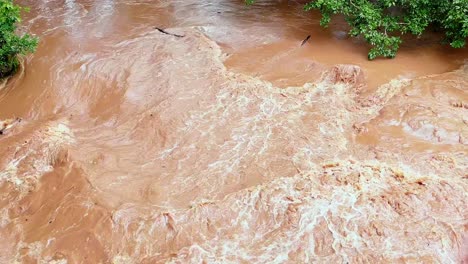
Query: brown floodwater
x=230 y=144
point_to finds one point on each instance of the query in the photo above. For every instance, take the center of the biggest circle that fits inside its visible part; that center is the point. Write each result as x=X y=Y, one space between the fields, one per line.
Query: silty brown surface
x=233 y=144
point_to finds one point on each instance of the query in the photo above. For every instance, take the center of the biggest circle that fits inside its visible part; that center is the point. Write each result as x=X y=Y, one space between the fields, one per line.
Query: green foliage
x=382 y=22
x=12 y=45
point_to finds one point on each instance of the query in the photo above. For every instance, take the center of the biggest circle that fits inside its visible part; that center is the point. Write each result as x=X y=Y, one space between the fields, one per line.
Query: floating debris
x=305 y=40
x=168 y=33
x=7 y=124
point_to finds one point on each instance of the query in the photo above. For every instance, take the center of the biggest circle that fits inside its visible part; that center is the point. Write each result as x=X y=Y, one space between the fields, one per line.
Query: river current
x=226 y=141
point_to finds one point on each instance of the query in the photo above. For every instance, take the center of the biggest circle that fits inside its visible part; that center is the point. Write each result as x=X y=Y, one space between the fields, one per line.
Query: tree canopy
x=382 y=22
x=11 y=44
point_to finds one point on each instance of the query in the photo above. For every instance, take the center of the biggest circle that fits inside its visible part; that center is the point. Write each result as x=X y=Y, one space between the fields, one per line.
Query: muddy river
x=226 y=141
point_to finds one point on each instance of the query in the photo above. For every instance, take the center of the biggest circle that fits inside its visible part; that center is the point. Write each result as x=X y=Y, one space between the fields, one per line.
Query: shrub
x=12 y=45
x=382 y=22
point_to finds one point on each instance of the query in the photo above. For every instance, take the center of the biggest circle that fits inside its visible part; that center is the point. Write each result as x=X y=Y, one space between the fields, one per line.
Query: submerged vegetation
x=382 y=22
x=11 y=44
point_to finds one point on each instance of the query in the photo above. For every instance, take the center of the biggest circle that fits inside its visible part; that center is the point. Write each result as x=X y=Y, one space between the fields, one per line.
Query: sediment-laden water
x=231 y=144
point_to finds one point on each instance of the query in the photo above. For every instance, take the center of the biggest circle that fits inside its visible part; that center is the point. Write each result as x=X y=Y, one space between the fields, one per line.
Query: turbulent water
x=231 y=143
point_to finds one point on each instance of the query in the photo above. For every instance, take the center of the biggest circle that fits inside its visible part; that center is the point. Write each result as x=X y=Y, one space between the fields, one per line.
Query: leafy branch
x=11 y=44
x=382 y=22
